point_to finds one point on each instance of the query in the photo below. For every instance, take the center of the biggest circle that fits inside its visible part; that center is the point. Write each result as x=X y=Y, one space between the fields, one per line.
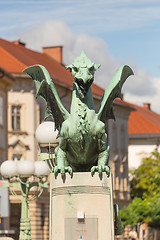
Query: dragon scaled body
x=83 y=145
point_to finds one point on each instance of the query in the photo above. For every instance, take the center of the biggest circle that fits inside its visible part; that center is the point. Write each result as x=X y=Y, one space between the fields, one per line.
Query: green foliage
x=146 y=178
x=145 y=192
x=155 y=212
x=135 y=212
x=142 y=210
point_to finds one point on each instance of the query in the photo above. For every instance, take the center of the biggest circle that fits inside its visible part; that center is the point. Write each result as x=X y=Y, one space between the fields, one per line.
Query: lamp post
x=46 y=136
x=25 y=175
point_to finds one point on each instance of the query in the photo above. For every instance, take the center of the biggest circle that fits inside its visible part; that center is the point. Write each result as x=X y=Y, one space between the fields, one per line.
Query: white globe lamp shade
x=46 y=134
x=25 y=168
x=9 y=168
x=41 y=168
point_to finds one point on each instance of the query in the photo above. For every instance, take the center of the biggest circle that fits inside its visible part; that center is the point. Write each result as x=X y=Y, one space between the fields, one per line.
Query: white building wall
x=137 y=152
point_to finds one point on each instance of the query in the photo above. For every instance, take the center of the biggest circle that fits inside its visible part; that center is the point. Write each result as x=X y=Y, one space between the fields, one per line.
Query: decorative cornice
x=143 y=135
x=17 y=132
x=80 y=190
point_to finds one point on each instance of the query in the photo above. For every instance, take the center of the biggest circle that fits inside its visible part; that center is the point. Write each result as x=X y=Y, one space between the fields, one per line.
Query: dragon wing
x=113 y=91
x=46 y=90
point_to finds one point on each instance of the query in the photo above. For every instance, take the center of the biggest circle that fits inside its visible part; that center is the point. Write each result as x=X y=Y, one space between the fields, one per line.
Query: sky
x=112 y=33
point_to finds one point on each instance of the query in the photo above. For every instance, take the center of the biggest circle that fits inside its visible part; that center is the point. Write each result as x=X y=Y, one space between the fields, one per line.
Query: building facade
x=6 y=80
x=25 y=113
x=118 y=142
x=144 y=133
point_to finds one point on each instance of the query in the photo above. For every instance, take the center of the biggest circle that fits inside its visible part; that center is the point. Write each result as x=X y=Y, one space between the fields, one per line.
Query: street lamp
x=46 y=136
x=25 y=175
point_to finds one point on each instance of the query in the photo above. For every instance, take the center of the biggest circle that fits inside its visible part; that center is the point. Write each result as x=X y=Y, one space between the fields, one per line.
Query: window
x=16 y=156
x=15 y=117
x=1 y=110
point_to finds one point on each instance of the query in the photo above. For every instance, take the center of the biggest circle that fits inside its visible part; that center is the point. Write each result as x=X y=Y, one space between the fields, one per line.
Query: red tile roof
x=15 y=57
x=143 y=120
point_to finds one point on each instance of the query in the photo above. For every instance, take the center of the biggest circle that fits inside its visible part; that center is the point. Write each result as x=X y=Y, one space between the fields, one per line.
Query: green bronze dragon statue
x=83 y=146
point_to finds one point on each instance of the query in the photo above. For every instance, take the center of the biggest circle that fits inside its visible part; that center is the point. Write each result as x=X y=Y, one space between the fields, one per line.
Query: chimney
x=54 y=52
x=19 y=42
x=147 y=106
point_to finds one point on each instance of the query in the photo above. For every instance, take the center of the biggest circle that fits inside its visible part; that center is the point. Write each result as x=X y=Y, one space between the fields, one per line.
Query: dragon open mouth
x=84 y=87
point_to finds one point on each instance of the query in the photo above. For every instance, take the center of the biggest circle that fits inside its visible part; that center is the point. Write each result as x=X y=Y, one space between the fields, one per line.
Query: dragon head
x=83 y=70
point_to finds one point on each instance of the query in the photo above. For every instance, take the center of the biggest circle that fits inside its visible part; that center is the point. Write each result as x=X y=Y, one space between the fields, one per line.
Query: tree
x=146 y=178
x=135 y=212
x=145 y=192
x=142 y=210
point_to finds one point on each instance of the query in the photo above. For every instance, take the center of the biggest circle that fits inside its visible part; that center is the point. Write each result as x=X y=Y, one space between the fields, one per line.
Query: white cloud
x=154 y=99
x=142 y=87
x=48 y=33
x=141 y=84
x=52 y=33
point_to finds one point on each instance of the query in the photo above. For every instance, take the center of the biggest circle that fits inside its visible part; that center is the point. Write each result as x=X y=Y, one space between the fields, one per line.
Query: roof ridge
x=143 y=108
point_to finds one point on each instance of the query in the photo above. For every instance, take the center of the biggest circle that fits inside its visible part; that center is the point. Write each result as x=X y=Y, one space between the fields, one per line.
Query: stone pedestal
x=6 y=238
x=81 y=207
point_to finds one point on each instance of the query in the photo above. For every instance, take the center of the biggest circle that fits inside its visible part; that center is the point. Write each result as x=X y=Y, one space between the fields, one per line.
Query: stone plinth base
x=81 y=207
x=6 y=238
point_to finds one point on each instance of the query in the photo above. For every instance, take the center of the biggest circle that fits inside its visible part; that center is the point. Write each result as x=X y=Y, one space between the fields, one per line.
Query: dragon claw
x=107 y=170
x=93 y=170
x=56 y=170
x=69 y=170
x=62 y=170
x=100 y=169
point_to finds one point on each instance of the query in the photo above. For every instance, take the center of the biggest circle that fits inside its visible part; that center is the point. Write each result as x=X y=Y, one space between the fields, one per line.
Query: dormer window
x=16 y=156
